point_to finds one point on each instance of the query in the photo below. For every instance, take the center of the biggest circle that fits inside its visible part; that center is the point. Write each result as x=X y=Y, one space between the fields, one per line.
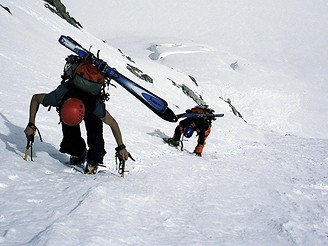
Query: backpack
x=201 y=109
x=84 y=75
x=89 y=85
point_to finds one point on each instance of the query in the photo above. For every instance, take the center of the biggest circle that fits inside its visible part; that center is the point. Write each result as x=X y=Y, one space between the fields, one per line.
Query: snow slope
x=279 y=46
x=261 y=183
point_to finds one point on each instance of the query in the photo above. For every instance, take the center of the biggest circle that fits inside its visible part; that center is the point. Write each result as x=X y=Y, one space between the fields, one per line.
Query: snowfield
x=264 y=182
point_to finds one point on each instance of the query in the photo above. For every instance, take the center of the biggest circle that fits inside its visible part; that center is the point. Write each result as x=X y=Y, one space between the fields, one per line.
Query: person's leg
x=95 y=139
x=177 y=133
x=179 y=129
x=72 y=142
x=201 y=141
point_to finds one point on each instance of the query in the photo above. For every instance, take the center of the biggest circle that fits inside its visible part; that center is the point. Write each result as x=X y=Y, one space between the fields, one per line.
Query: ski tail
x=74 y=46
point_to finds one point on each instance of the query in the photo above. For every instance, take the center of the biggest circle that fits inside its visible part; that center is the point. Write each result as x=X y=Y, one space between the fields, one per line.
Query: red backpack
x=202 y=109
x=89 y=71
x=84 y=75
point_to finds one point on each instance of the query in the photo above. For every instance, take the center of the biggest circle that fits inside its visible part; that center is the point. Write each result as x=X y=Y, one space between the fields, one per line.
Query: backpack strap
x=69 y=69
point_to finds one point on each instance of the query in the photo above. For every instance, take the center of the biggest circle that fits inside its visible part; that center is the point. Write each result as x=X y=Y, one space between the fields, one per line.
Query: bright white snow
x=261 y=183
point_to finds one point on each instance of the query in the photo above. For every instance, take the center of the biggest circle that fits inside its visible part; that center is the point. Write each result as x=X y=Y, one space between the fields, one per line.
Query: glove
x=30 y=130
x=122 y=153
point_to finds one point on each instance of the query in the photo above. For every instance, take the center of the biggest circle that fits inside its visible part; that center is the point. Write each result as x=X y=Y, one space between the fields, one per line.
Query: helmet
x=72 y=111
x=188 y=131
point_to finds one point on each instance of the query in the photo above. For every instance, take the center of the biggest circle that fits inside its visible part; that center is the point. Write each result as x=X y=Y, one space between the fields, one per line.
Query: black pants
x=74 y=144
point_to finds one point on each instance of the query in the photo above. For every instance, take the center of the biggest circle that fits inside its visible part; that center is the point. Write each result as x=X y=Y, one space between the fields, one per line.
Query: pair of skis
x=158 y=105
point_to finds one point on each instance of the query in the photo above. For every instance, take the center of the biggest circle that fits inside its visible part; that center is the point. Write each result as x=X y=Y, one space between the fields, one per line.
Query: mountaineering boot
x=91 y=168
x=78 y=160
x=170 y=141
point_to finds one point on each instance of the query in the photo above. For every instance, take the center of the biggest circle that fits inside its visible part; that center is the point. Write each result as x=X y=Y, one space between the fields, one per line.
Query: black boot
x=78 y=160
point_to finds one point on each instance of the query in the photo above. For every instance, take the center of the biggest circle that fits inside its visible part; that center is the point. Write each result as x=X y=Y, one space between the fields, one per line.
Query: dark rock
x=6 y=8
x=57 y=7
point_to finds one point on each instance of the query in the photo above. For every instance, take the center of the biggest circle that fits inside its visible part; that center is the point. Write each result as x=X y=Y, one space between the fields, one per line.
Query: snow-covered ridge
x=160 y=51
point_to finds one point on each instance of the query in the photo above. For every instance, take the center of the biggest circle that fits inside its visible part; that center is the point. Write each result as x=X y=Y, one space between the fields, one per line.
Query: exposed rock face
x=189 y=92
x=193 y=79
x=57 y=7
x=137 y=72
x=6 y=8
x=186 y=90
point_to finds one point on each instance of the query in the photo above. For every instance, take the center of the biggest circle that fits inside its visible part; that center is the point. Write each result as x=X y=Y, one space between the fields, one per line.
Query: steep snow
x=258 y=183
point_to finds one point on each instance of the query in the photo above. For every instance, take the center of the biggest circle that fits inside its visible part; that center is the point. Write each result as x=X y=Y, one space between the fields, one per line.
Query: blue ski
x=195 y=115
x=158 y=105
